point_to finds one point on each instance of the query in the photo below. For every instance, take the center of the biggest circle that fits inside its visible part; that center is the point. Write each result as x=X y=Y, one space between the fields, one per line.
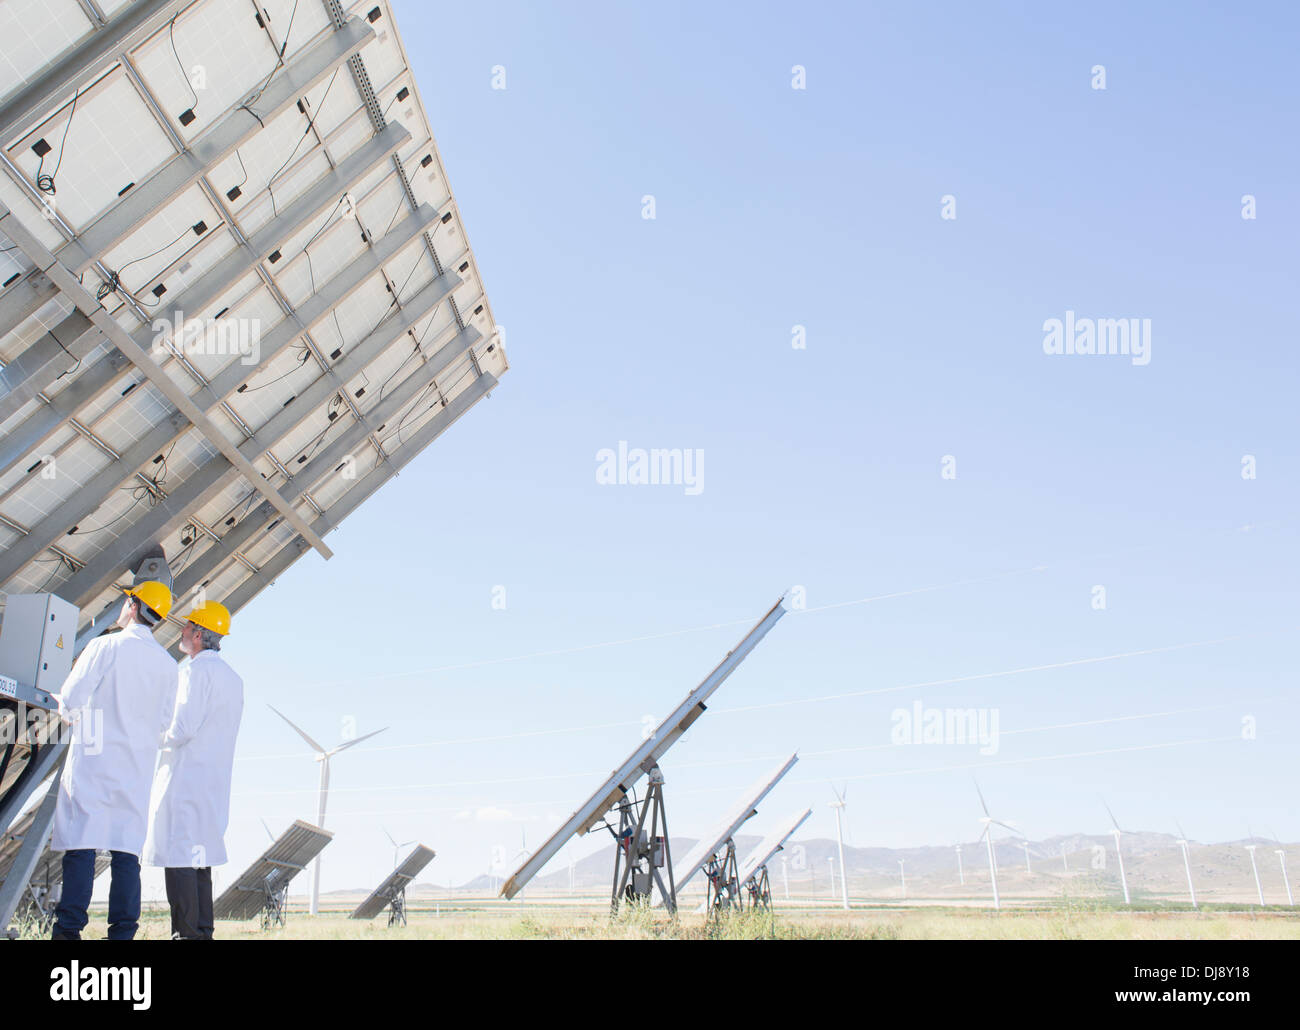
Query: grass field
x=1084 y=921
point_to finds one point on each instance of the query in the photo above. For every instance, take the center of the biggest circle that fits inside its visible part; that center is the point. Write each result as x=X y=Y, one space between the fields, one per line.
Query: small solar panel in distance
x=274 y=869
x=381 y=897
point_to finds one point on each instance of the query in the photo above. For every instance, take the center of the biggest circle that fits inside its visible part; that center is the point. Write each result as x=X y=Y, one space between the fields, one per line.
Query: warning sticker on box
x=8 y=687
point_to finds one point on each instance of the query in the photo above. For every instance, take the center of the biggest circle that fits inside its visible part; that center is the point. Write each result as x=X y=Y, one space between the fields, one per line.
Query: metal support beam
x=45 y=360
x=24 y=298
x=48 y=762
x=21 y=443
x=135 y=23
x=170 y=389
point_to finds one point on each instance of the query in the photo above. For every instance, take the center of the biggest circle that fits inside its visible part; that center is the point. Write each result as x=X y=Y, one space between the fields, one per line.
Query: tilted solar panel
x=272 y=871
x=236 y=298
x=396 y=881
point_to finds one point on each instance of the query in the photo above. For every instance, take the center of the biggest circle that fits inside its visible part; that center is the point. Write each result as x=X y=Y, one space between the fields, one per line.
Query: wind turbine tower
x=961 y=873
x=1028 y=869
x=1255 y=868
x=838 y=804
x=1187 y=864
x=987 y=836
x=1119 y=851
x=323 y=755
x=1281 y=857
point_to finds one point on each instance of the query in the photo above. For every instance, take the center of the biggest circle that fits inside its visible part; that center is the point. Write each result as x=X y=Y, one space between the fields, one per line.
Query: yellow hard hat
x=153 y=594
x=211 y=615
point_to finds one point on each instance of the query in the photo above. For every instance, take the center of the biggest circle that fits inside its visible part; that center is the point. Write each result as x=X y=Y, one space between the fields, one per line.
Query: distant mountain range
x=1075 y=865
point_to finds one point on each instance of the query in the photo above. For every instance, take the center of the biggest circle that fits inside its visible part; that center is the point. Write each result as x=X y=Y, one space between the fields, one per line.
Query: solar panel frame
x=272 y=871
x=389 y=276
x=398 y=880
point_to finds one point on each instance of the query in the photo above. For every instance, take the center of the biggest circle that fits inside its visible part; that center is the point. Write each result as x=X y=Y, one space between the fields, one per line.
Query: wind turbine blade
x=311 y=743
x=390 y=837
x=1111 y=814
x=987 y=827
x=356 y=740
x=1008 y=826
x=1181 y=834
x=268 y=830
x=983 y=803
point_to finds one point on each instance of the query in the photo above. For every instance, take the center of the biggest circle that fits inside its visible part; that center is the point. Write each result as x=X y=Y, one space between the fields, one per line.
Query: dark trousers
x=189 y=893
x=70 y=917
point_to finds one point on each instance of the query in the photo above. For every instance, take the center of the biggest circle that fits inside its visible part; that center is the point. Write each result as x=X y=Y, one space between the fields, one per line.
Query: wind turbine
x=1065 y=862
x=1187 y=865
x=1123 y=880
x=830 y=859
x=961 y=873
x=902 y=875
x=838 y=804
x=397 y=848
x=323 y=755
x=1025 y=845
x=987 y=836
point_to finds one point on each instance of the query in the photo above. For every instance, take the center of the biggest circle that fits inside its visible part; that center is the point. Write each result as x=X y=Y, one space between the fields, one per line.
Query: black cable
x=310 y=123
x=114 y=282
x=239 y=157
x=45 y=183
x=171 y=35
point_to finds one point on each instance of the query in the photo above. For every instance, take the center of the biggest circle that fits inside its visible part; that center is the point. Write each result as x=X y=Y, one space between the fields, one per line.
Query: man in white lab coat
x=118 y=699
x=191 y=796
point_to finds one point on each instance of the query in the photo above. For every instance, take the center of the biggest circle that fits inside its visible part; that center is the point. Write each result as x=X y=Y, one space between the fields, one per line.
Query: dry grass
x=537 y=921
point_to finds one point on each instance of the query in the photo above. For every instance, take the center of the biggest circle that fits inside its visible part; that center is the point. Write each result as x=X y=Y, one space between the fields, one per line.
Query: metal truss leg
x=397 y=908
x=48 y=762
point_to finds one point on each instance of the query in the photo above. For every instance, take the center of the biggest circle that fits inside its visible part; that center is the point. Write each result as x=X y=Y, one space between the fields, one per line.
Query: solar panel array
x=381 y=897
x=277 y=865
x=237 y=294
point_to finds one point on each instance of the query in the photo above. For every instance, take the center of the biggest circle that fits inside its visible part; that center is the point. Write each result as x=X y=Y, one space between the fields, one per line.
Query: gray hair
x=210 y=641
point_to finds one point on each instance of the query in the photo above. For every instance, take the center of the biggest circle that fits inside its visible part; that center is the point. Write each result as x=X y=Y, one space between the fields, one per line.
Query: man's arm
x=191 y=707
x=85 y=676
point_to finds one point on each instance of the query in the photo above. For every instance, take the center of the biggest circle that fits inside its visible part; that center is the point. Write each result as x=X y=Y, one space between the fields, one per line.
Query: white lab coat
x=119 y=698
x=190 y=808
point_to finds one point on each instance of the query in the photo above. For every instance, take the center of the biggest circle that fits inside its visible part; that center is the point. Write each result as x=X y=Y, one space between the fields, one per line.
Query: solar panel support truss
x=640 y=855
x=722 y=875
x=760 y=890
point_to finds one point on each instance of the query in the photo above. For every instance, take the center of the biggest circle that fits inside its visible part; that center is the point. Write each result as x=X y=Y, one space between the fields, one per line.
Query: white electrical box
x=37 y=639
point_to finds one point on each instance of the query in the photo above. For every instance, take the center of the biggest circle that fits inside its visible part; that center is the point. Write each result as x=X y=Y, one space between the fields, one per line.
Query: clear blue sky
x=821 y=208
